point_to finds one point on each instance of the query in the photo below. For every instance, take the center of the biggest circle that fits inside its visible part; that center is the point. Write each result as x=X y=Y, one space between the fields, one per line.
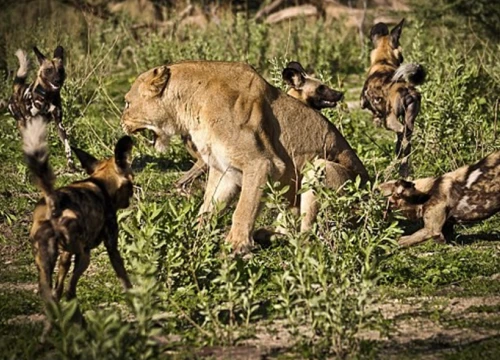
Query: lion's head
x=145 y=107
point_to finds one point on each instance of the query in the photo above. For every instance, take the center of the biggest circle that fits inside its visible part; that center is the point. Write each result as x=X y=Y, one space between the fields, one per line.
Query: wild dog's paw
x=263 y=237
x=405 y=241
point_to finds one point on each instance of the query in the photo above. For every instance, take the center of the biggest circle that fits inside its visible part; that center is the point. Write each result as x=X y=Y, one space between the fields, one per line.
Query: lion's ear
x=158 y=80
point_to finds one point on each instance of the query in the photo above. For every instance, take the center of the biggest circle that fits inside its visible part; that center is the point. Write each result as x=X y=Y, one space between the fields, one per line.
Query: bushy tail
x=412 y=73
x=22 y=72
x=36 y=154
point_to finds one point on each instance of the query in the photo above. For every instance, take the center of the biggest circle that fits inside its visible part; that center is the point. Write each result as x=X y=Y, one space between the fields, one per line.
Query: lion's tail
x=413 y=73
x=36 y=154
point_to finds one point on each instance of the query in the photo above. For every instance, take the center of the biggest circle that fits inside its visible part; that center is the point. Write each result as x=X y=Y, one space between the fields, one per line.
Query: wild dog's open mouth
x=54 y=85
x=330 y=100
x=328 y=104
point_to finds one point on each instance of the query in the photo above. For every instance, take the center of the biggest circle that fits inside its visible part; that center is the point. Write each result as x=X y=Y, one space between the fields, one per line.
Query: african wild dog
x=389 y=91
x=246 y=131
x=76 y=218
x=468 y=194
x=303 y=87
x=43 y=95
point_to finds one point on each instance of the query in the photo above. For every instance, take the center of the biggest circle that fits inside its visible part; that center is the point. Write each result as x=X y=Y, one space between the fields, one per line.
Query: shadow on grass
x=472 y=238
x=160 y=163
x=444 y=347
x=452 y=235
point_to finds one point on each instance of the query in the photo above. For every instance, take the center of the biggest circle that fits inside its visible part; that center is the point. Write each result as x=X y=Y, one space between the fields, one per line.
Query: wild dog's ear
x=88 y=162
x=39 y=55
x=396 y=33
x=403 y=187
x=378 y=30
x=59 y=52
x=158 y=80
x=123 y=152
x=297 y=66
x=294 y=75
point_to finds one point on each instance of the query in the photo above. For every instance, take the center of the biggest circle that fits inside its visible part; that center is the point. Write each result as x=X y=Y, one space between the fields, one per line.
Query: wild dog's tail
x=22 y=72
x=36 y=154
x=412 y=73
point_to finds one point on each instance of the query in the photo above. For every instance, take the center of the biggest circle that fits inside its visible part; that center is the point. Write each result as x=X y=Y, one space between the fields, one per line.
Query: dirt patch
x=418 y=324
x=9 y=287
x=24 y=319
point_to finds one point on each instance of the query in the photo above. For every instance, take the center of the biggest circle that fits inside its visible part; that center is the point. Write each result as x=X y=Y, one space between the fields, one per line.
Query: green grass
x=188 y=289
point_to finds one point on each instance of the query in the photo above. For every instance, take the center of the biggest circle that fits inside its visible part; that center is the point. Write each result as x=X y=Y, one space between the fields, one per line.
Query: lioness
x=303 y=87
x=245 y=129
x=468 y=194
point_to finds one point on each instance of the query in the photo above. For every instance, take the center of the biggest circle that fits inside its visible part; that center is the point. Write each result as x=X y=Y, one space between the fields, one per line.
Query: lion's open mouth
x=154 y=137
x=148 y=134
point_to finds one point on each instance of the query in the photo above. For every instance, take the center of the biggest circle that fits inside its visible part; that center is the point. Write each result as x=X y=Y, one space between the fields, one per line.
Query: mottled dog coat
x=468 y=194
x=389 y=90
x=76 y=218
x=41 y=97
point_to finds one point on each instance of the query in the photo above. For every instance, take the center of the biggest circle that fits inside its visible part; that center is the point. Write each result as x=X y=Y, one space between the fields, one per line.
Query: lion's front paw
x=241 y=242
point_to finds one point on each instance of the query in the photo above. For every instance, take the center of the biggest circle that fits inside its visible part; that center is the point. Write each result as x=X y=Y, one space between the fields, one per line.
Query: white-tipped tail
x=35 y=138
x=36 y=155
x=412 y=73
x=22 y=72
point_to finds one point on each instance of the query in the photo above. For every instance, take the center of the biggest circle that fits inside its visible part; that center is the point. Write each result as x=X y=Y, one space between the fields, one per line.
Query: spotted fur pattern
x=72 y=220
x=42 y=96
x=468 y=194
x=389 y=91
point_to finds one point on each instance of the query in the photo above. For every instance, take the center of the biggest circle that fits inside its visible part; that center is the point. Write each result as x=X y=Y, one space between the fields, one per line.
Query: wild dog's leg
x=448 y=232
x=45 y=252
x=392 y=123
x=64 y=264
x=197 y=170
x=434 y=219
x=336 y=175
x=111 y=243
x=412 y=106
x=82 y=261
x=254 y=178
x=61 y=131
x=220 y=189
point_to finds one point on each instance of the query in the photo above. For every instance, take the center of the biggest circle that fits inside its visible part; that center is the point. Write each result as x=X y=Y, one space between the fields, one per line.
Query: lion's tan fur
x=244 y=128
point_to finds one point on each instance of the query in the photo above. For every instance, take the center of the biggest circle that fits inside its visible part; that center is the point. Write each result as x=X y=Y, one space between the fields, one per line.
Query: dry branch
x=292 y=12
x=268 y=9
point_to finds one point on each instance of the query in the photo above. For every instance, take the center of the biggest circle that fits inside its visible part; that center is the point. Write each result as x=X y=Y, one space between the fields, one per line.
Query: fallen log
x=292 y=12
